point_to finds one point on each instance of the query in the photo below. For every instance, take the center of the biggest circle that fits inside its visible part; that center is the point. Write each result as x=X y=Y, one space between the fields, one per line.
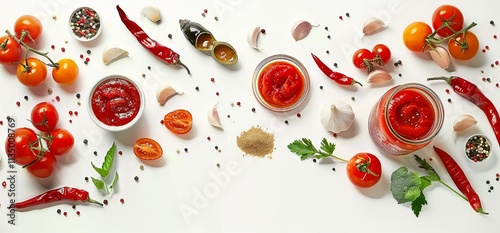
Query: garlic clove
x=301 y=29
x=464 y=121
x=213 y=118
x=165 y=92
x=337 y=116
x=379 y=77
x=152 y=13
x=372 y=26
x=112 y=54
x=440 y=56
x=253 y=37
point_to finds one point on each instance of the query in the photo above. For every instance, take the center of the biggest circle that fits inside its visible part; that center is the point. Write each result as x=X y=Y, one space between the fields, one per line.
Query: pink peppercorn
x=212 y=80
x=52 y=47
x=238 y=103
x=81 y=56
x=76 y=113
x=487 y=47
x=18 y=103
x=341 y=18
x=298 y=115
x=58 y=98
x=205 y=11
x=484 y=50
x=217 y=93
x=63 y=49
x=71 y=113
x=4 y=184
x=122 y=201
x=78 y=213
x=263 y=31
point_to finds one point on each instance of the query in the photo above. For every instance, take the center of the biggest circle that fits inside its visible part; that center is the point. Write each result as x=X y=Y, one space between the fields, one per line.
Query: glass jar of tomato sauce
x=405 y=119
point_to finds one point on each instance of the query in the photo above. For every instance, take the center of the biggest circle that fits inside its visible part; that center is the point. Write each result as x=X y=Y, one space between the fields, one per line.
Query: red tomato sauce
x=410 y=114
x=116 y=102
x=281 y=84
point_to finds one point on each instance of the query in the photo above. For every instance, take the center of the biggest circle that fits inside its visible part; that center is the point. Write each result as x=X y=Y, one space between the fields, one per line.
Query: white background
x=282 y=194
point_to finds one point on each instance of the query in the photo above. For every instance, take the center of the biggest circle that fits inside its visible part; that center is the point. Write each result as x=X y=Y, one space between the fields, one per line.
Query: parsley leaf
x=417 y=204
x=305 y=149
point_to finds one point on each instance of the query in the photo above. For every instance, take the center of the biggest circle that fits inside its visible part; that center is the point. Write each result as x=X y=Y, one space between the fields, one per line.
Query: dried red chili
x=471 y=92
x=335 y=76
x=460 y=180
x=162 y=52
x=64 y=193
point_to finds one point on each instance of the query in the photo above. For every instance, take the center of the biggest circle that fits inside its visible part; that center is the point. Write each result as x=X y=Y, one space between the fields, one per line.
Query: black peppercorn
x=88 y=51
x=326 y=28
x=85 y=141
x=253 y=109
x=185 y=149
x=492 y=22
x=449 y=100
x=347 y=14
x=329 y=37
x=335 y=64
x=86 y=179
x=59 y=211
x=333 y=169
x=136 y=178
x=286 y=122
x=95 y=153
x=321 y=87
x=78 y=95
x=26 y=97
x=314 y=160
x=169 y=36
x=197 y=88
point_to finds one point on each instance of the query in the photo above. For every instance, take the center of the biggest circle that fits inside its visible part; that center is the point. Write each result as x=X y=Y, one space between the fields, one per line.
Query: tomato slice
x=178 y=121
x=147 y=149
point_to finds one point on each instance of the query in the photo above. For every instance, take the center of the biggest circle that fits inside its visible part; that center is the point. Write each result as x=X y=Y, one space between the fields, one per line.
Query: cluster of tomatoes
x=366 y=59
x=448 y=25
x=37 y=152
x=31 y=71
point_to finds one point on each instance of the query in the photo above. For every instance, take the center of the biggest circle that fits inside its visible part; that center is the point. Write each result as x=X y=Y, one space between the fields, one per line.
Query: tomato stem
x=431 y=40
x=3 y=45
x=30 y=49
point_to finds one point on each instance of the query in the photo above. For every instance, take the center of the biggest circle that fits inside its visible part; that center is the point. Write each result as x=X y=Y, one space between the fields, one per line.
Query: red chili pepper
x=162 y=52
x=471 y=92
x=64 y=193
x=335 y=76
x=460 y=180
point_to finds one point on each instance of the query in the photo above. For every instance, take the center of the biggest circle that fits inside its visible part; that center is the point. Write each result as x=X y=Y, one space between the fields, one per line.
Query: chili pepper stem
x=90 y=200
x=481 y=211
x=185 y=67
x=28 y=48
x=447 y=79
x=356 y=82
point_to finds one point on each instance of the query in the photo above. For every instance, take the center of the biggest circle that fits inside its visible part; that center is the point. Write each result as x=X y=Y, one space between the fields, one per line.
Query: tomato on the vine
x=447 y=20
x=178 y=121
x=44 y=167
x=44 y=116
x=361 y=57
x=19 y=144
x=31 y=72
x=30 y=24
x=60 y=141
x=10 y=50
x=415 y=34
x=383 y=52
x=147 y=149
x=66 y=73
x=464 y=48
x=364 y=170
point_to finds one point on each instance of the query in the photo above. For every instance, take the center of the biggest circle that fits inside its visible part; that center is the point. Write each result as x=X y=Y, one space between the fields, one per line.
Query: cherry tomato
x=19 y=144
x=178 y=121
x=61 y=141
x=44 y=167
x=414 y=36
x=358 y=59
x=447 y=16
x=30 y=24
x=147 y=149
x=383 y=52
x=44 y=116
x=10 y=50
x=66 y=73
x=364 y=170
x=32 y=73
x=464 y=48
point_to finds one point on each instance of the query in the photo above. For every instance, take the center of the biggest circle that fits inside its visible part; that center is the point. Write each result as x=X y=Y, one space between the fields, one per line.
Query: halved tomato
x=178 y=121
x=147 y=149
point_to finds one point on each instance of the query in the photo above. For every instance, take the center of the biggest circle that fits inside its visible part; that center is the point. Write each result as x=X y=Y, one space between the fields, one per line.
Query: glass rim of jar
x=436 y=104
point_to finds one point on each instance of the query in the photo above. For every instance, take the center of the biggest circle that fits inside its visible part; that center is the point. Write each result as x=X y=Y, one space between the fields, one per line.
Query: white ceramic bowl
x=84 y=33
x=130 y=85
x=471 y=150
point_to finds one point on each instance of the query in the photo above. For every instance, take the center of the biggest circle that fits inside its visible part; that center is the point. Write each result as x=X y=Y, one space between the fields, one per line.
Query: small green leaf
x=426 y=182
x=425 y=165
x=108 y=160
x=114 y=180
x=327 y=147
x=99 y=184
x=99 y=170
x=417 y=204
x=301 y=148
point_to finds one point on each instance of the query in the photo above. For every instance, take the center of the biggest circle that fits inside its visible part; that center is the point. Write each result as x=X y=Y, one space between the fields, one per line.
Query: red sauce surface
x=280 y=84
x=410 y=114
x=116 y=102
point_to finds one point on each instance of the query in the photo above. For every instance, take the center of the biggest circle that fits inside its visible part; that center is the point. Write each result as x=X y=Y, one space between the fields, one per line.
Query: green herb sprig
x=104 y=171
x=305 y=149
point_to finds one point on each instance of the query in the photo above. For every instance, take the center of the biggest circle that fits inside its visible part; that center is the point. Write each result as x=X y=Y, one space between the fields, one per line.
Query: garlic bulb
x=372 y=26
x=213 y=118
x=152 y=13
x=440 y=56
x=253 y=37
x=112 y=54
x=301 y=29
x=165 y=92
x=464 y=121
x=379 y=77
x=337 y=116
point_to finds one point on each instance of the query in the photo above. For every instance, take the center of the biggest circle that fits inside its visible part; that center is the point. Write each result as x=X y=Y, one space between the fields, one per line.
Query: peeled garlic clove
x=253 y=36
x=379 y=77
x=372 y=26
x=112 y=54
x=440 y=56
x=301 y=29
x=165 y=92
x=213 y=118
x=337 y=116
x=152 y=13
x=464 y=121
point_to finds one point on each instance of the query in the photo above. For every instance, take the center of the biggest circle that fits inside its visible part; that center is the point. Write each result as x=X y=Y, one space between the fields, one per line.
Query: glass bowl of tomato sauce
x=280 y=83
x=116 y=103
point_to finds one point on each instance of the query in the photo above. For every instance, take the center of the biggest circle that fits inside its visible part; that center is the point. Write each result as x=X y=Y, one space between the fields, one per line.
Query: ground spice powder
x=256 y=142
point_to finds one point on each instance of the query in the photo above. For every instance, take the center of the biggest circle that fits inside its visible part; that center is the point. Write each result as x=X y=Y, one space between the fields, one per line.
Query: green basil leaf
x=99 y=170
x=108 y=161
x=98 y=183
x=114 y=180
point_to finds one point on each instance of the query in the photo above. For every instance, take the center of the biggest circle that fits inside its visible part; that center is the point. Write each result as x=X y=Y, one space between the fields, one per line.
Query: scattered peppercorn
x=205 y=11
x=263 y=31
x=49 y=91
x=253 y=109
x=105 y=202
x=136 y=178
x=197 y=88
x=341 y=18
x=488 y=79
x=497 y=179
x=321 y=87
x=494 y=36
x=333 y=169
x=326 y=28
x=216 y=147
x=298 y=115
x=52 y=47
x=347 y=14
x=4 y=184
x=491 y=187
x=78 y=95
x=487 y=47
x=400 y=62
x=218 y=165
x=208 y=138
x=78 y=213
x=86 y=179
x=492 y=22
x=26 y=97
x=314 y=160
x=286 y=122
x=149 y=67
x=334 y=135
x=335 y=64
x=449 y=100
x=216 y=18
x=89 y=52
x=85 y=141
x=203 y=14
x=95 y=153
x=186 y=149
x=447 y=91
x=63 y=49
x=122 y=200
x=327 y=52
x=483 y=50
x=329 y=37
x=59 y=211
x=65 y=214
x=73 y=206
x=120 y=152
x=141 y=167
x=85 y=62
x=487 y=182
x=18 y=103
x=400 y=75
x=169 y=36
x=353 y=98
x=217 y=93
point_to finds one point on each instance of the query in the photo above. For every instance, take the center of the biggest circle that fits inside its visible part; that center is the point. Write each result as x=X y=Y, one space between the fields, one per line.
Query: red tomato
x=383 y=52
x=61 y=141
x=414 y=36
x=66 y=73
x=464 y=48
x=30 y=24
x=19 y=144
x=147 y=149
x=32 y=73
x=44 y=116
x=178 y=121
x=361 y=57
x=446 y=17
x=364 y=170
x=44 y=167
x=10 y=50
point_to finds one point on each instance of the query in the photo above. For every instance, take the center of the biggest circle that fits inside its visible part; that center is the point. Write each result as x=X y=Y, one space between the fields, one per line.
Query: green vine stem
x=30 y=49
x=431 y=40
